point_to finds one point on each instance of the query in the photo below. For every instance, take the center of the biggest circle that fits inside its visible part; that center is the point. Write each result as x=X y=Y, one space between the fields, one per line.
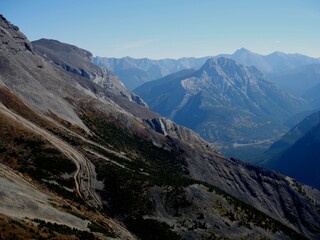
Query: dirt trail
x=20 y=199
x=105 y=158
x=84 y=176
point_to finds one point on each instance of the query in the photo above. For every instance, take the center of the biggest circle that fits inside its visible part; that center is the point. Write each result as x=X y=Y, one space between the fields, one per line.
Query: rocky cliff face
x=12 y=40
x=103 y=162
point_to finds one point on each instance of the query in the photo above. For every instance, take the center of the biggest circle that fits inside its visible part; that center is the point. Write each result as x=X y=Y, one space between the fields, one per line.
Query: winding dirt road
x=85 y=176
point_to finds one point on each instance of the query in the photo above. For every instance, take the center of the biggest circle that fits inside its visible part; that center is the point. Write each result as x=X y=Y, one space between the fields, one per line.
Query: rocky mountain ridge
x=134 y=72
x=221 y=92
x=64 y=55
x=273 y=62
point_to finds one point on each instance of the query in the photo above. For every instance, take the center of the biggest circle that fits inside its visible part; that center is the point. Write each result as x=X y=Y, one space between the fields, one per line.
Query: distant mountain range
x=274 y=62
x=223 y=101
x=135 y=72
x=297 y=153
x=298 y=80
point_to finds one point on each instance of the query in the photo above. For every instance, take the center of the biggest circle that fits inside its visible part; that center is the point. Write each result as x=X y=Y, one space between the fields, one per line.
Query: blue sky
x=171 y=28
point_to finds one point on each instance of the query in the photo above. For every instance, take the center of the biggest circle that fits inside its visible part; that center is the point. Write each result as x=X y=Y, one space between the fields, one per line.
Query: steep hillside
x=296 y=154
x=86 y=162
x=295 y=133
x=79 y=61
x=224 y=102
x=301 y=159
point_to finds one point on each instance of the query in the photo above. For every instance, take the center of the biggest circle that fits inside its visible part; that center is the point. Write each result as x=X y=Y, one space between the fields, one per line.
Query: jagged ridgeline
x=84 y=158
x=134 y=72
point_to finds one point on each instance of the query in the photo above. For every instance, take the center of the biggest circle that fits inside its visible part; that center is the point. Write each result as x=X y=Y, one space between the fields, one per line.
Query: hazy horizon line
x=209 y=55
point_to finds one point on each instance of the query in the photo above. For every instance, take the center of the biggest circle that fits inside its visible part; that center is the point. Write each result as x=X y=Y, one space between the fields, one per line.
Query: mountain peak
x=63 y=48
x=278 y=54
x=214 y=65
x=5 y=21
x=242 y=51
x=12 y=39
x=79 y=62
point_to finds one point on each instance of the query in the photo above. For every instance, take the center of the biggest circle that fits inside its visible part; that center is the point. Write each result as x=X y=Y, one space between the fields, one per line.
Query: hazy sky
x=171 y=28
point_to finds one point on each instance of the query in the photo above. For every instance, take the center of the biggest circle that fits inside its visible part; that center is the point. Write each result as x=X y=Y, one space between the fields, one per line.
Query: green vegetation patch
x=94 y=227
x=150 y=229
x=158 y=161
x=65 y=230
x=127 y=190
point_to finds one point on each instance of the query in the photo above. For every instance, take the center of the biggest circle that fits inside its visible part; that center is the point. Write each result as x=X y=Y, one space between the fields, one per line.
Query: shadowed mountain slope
x=297 y=152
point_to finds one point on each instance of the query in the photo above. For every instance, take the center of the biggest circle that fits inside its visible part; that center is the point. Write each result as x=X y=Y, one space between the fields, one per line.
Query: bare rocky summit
x=79 y=61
